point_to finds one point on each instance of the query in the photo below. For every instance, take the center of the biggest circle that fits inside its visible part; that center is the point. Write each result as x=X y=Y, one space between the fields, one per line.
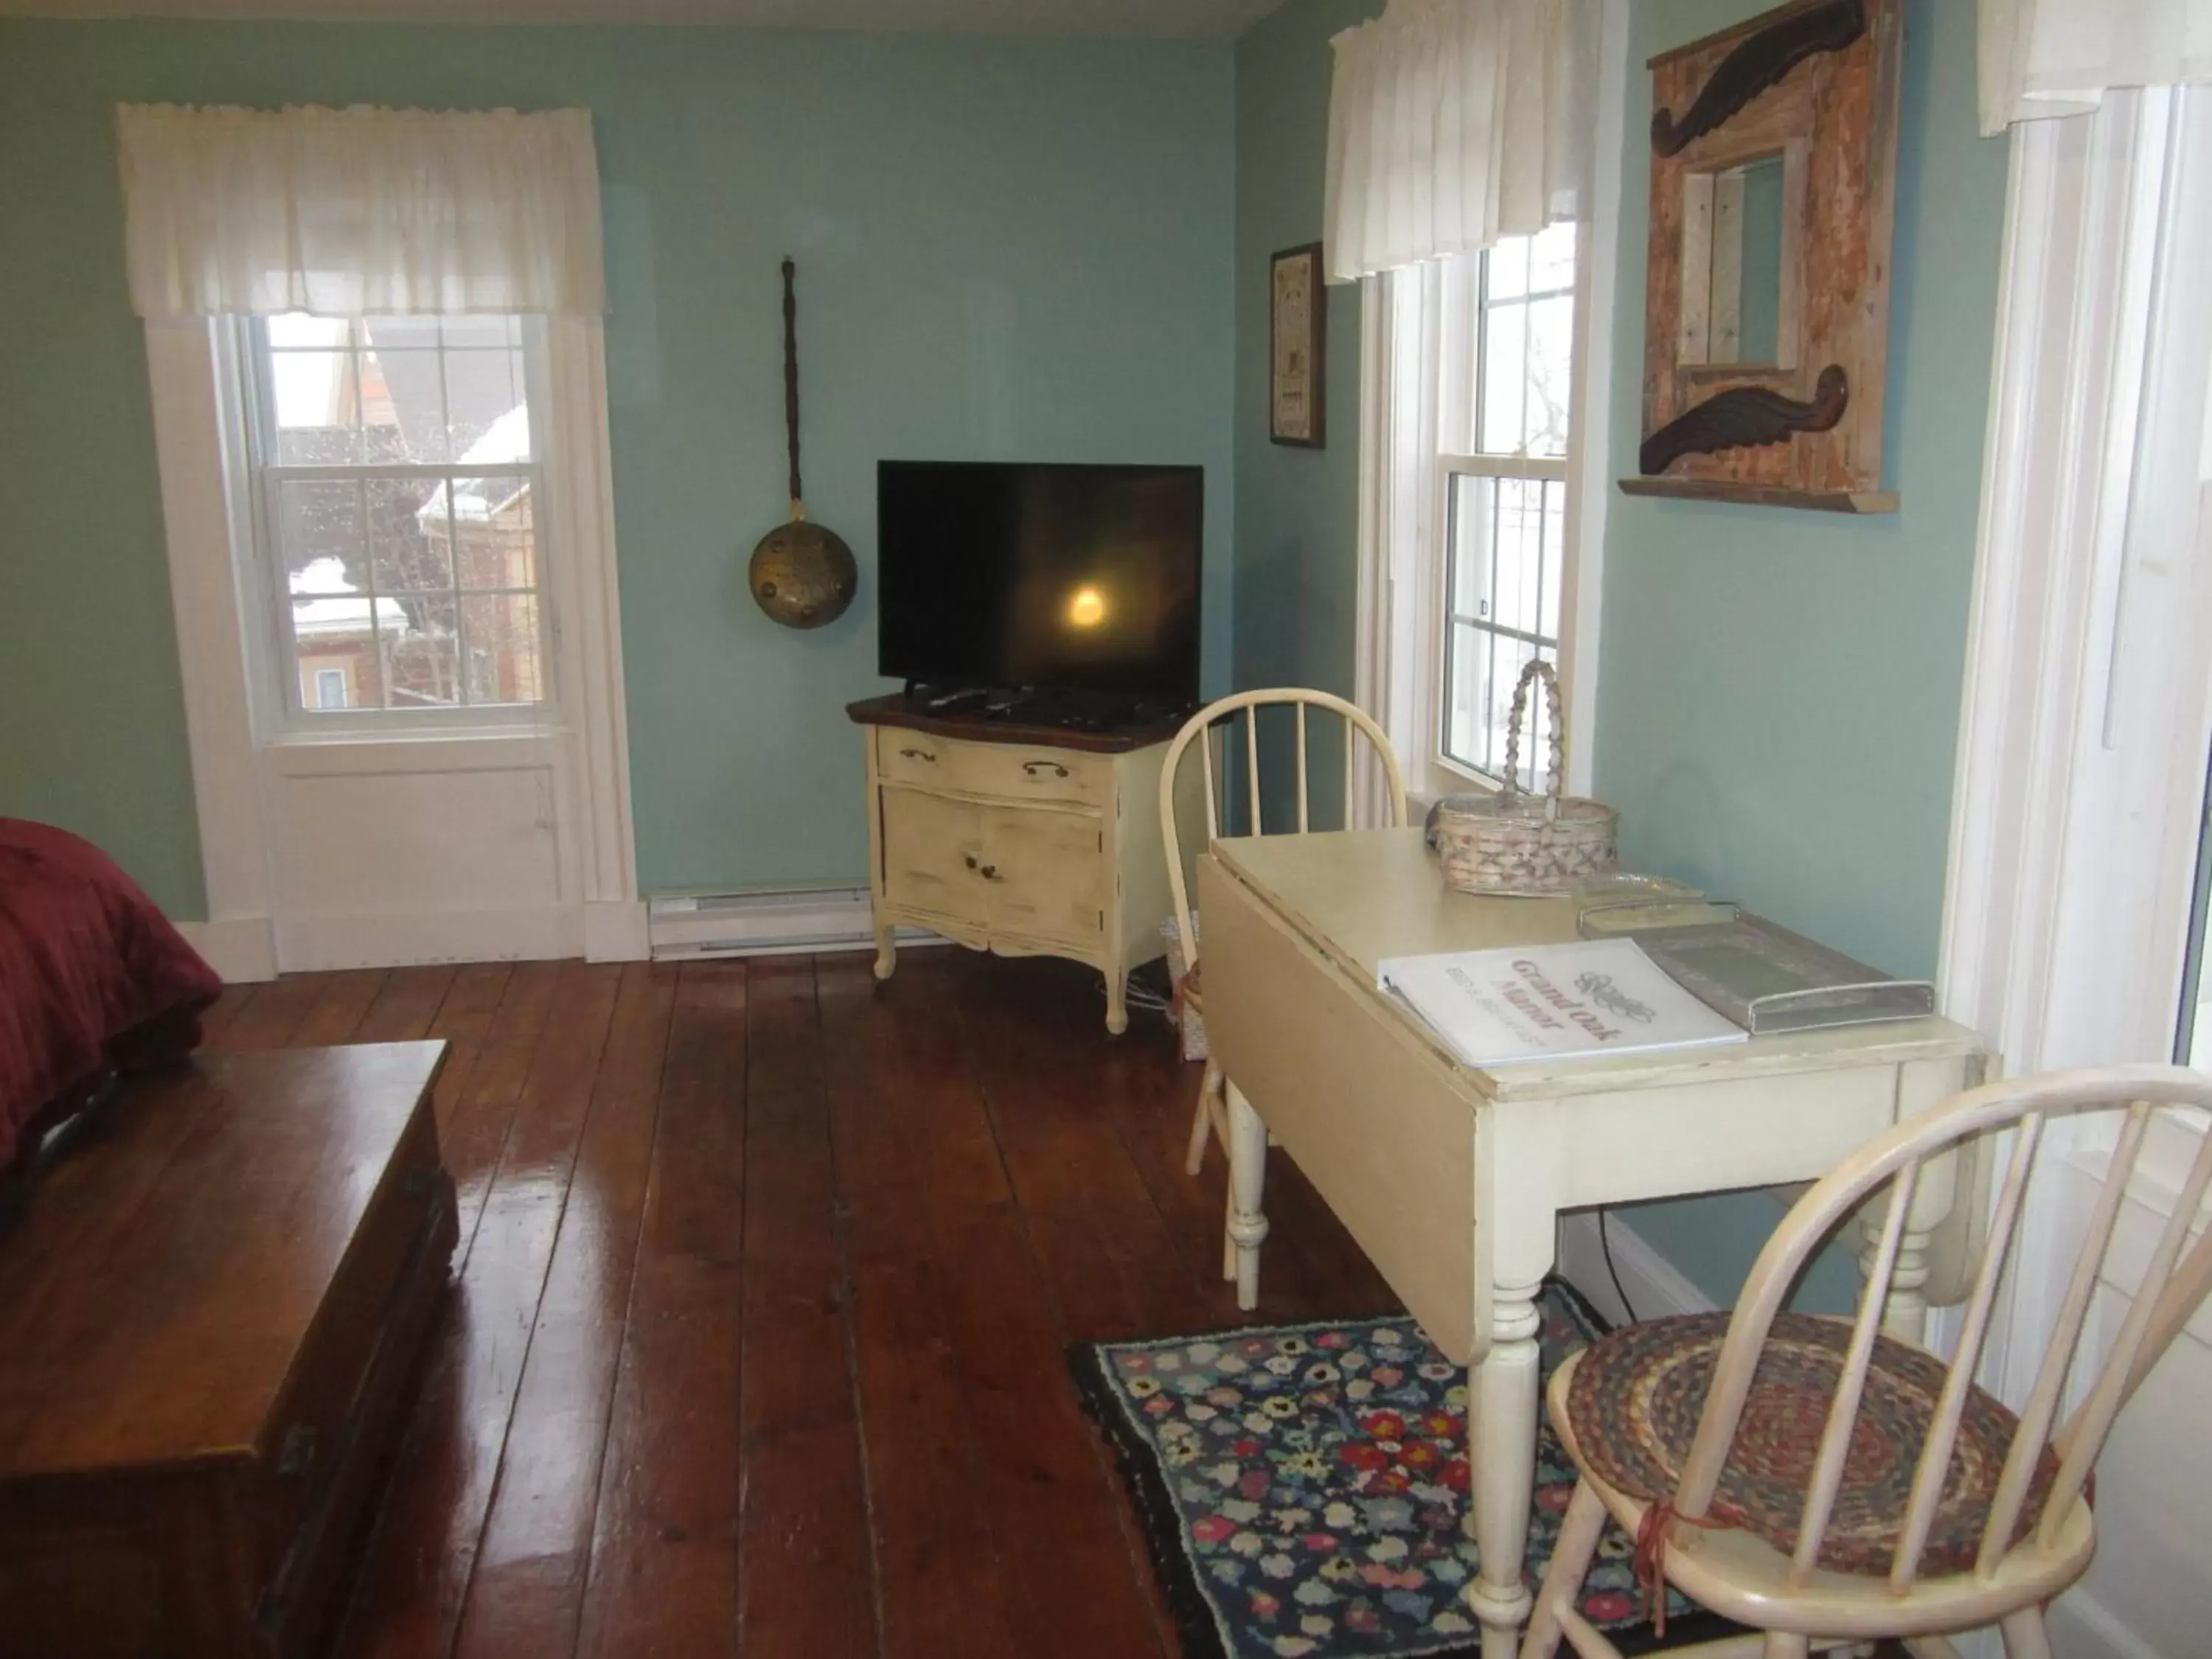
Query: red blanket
x=92 y=975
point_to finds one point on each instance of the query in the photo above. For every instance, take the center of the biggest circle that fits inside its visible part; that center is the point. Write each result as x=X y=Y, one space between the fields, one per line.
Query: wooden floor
x=764 y=1276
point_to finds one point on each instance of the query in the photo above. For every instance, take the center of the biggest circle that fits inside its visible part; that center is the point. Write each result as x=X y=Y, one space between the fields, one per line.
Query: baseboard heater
x=781 y=921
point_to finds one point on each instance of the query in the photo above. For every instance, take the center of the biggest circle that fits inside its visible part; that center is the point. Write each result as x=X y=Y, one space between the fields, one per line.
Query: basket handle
x=1537 y=668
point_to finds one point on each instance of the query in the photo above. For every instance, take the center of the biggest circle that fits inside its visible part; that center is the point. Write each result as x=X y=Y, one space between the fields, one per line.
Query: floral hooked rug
x=1304 y=1489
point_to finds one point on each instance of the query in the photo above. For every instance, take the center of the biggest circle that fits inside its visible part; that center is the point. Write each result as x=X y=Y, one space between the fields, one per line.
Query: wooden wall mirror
x=1767 y=306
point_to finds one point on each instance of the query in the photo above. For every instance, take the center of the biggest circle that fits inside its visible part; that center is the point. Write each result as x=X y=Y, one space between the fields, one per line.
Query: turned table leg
x=1905 y=1315
x=1247 y=1175
x=1501 y=1421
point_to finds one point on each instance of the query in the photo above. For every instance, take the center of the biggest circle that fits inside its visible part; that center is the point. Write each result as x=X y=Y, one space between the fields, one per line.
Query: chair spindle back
x=1357 y=726
x=2171 y=1288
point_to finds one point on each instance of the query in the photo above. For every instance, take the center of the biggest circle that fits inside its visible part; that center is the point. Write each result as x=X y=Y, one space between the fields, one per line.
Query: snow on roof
x=325 y=605
x=504 y=442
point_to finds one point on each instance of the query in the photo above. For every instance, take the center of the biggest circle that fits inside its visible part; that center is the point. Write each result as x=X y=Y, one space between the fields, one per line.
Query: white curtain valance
x=347 y=212
x=1452 y=123
x=2043 y=58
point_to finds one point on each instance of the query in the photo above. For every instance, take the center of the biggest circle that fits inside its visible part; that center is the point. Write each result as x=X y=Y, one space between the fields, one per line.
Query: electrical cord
x=1605 y=1243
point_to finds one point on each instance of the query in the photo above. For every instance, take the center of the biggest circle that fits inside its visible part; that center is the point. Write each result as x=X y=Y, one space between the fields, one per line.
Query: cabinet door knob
x=968 y=859
x=1038 y=769
x=990 y=873
x=917 y=754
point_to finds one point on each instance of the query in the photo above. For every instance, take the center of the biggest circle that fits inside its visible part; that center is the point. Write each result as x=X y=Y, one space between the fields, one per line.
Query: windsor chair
x=1222 y=1111
x=1698 y=1434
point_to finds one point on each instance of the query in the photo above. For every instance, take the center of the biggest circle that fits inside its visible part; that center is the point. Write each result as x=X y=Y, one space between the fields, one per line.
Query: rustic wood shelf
x=1728 y=490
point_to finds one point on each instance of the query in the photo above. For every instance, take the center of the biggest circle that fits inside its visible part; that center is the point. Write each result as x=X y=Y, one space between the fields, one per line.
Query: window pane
x=403 y=406
x=421 y=637
x=1468 y=671
x=1517 y=553
x=1551 y=337
x=417 y=591
x=334 y=636
x=505 y=656
x=409 y=544
x=496 y=540
x=488 y=400
x=319 y=530
x=337 y=656
x=295 y=331
x=1505 y=560
x=1508 y=271
x=316 y=407
x=1504 y=378
x=1468 y=551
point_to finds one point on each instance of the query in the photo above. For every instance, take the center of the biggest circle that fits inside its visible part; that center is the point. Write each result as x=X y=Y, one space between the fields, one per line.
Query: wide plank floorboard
x=766 y=1275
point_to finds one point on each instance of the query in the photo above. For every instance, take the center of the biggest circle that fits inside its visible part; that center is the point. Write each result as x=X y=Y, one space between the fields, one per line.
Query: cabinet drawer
x=1014 y=772
x=1046 y=873
x=915 y=757
x=933 y=854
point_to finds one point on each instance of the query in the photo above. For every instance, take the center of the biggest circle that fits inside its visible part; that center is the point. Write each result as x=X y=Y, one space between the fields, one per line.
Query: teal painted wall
x=1007 y=250
x=1297 y=509
x=1779 y=691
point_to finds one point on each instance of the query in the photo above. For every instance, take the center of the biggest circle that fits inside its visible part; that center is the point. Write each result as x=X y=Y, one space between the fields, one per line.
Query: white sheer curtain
x=2045 y=57
x=360 y=211
x=1452 y=123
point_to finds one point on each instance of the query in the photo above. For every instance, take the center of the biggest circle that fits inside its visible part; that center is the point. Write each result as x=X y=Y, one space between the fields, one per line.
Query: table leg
x=1117 y=1001
x=1247 y=1175
x=886 y=949
x=1905 y=1315
x=1501 y=1424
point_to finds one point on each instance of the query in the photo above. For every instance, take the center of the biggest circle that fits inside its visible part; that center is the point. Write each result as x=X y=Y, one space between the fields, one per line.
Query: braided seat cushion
x=1637 y=1393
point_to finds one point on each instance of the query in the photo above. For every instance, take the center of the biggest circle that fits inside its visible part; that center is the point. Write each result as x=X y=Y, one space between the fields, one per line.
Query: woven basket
x=1517 y=843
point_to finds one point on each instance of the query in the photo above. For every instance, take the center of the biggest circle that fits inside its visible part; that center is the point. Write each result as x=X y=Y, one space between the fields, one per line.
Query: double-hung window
x=1506 y=383
x=398 y=503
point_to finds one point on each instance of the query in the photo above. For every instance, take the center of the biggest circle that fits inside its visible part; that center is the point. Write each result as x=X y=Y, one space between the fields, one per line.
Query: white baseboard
x=616 y=930
x=532 y=933
x=242 y=949
x=1654 y=1285
x=781 y=923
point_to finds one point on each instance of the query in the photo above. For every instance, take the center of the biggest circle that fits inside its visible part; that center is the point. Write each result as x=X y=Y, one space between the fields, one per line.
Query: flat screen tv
x=1050 y=577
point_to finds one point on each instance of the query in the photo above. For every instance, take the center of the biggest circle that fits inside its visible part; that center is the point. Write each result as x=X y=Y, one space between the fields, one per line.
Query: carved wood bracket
x=1757 y=65
x=1746 y=415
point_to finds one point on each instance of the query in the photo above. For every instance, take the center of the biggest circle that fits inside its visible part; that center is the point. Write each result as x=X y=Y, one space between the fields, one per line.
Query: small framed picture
x=1297 y=347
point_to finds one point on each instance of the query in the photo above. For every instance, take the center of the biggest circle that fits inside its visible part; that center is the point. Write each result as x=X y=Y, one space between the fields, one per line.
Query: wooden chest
x=210 y=1324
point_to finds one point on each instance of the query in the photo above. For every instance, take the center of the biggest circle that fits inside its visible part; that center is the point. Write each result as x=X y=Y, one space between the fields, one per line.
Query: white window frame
x=2078 y=807
x=1445 y=773
x=207 y=497
x=270 y=645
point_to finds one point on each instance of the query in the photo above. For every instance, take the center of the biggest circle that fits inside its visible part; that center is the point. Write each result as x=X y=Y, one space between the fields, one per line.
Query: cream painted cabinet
x=1023 y=847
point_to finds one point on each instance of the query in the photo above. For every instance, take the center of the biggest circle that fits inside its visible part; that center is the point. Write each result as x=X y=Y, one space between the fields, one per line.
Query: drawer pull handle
x=917 y=754
x=1038 y=769
x=297 y=1453
x=969 y=859
x=990 y=873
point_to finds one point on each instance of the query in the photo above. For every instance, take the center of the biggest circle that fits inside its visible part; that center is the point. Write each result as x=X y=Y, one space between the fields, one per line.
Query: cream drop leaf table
x=1453 y=1179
